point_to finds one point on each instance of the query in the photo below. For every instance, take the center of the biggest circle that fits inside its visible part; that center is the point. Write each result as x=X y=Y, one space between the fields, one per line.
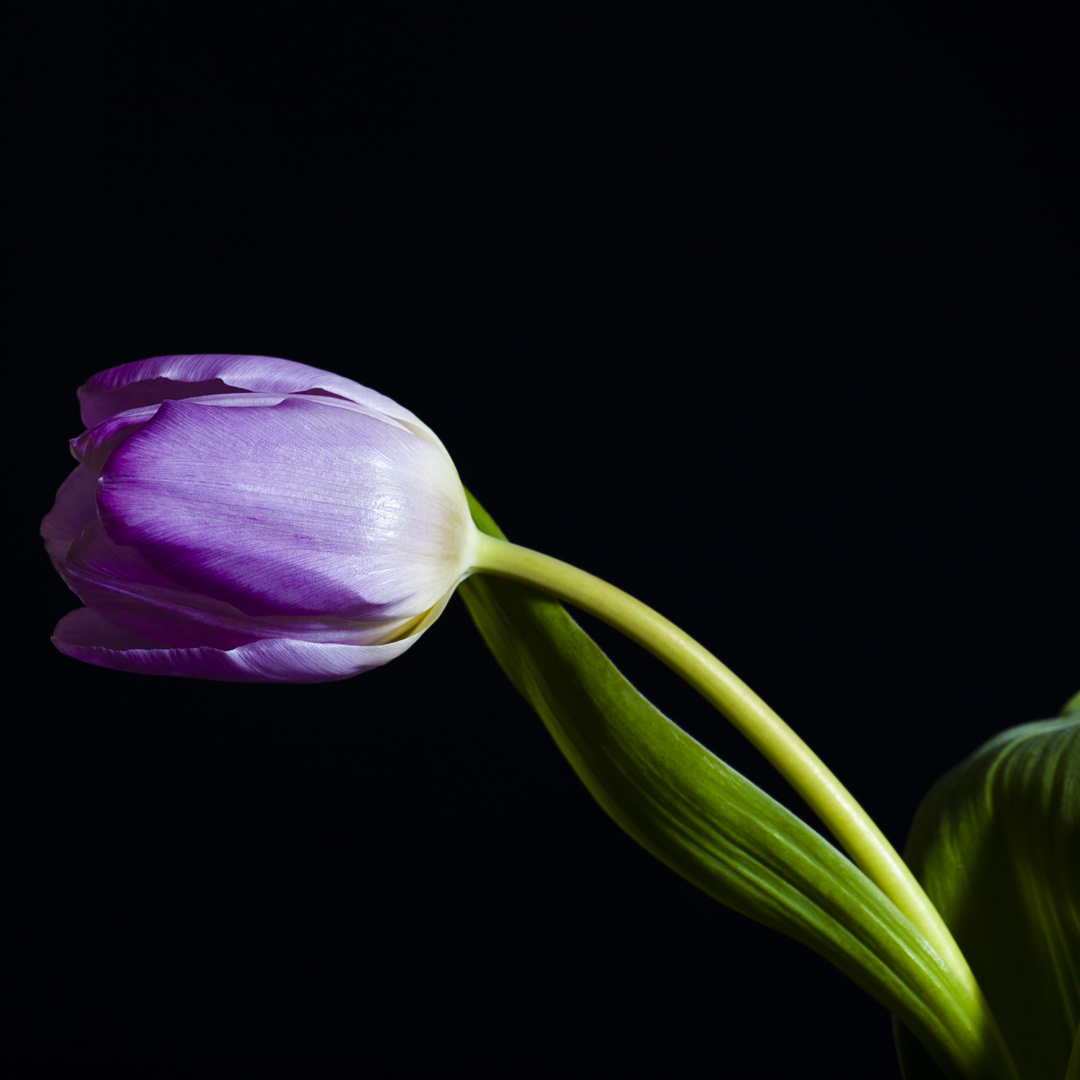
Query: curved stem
x=797 y=763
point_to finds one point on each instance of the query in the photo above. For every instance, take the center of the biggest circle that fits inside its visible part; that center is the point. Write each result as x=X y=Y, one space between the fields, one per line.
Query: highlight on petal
x=292 y=509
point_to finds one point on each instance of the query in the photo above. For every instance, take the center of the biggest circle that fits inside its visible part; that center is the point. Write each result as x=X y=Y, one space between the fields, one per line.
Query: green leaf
x=710 y=824
x=996 y=845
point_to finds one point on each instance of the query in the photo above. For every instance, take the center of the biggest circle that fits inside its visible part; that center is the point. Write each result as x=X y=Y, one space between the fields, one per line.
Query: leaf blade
x=996 y=845
x=711 y=825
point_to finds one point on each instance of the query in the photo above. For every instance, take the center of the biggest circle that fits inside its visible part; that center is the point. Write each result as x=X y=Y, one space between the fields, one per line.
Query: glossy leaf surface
x=996 y=845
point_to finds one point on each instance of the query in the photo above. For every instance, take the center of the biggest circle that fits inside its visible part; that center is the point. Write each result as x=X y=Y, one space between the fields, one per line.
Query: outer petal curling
x=85 y=635
x=147 y=382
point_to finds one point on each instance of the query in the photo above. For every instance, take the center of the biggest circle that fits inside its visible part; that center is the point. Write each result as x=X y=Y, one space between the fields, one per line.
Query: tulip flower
x=246 y=518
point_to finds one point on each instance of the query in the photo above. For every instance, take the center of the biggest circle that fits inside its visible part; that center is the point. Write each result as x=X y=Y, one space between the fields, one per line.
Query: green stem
x=797 y=763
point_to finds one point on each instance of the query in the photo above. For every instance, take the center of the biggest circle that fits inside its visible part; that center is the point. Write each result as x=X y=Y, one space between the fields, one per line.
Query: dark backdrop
x=768 y=318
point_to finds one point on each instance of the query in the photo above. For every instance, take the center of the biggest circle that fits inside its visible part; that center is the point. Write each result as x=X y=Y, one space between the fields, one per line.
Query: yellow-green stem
x=796 y=762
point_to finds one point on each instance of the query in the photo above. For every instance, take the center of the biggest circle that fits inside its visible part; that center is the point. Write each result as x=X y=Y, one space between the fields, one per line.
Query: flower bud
x=250 y=519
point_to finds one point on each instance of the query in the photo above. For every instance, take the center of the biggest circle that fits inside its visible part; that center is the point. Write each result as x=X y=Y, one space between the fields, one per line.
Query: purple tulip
x=254 y=520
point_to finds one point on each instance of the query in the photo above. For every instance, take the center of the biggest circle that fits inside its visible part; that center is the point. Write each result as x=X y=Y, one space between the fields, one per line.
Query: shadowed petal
x=129 y=592
x=73 y=512
x=86 y=636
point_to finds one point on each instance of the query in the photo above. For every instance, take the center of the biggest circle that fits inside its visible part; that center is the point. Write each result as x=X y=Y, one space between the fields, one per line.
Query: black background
x=769 y=318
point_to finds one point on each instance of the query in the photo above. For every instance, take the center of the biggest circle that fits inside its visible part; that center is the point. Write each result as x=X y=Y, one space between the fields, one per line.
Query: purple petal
x=93 y=447
x=73 y=512
x=296 y=509
x=120 y=585
x=86 y=636
x=147 y=382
